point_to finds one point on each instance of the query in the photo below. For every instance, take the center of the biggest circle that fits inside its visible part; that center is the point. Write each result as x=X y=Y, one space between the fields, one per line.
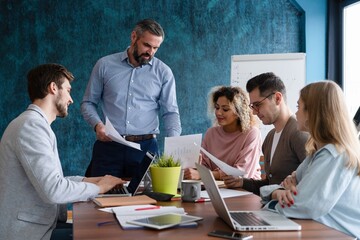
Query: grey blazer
x=32 y=184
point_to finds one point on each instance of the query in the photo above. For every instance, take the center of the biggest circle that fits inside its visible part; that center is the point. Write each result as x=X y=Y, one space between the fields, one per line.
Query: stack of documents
x=126 y=213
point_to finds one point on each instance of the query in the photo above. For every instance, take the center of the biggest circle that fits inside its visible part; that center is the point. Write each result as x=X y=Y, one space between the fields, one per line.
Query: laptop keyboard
x=117 y=191
x=248 y=219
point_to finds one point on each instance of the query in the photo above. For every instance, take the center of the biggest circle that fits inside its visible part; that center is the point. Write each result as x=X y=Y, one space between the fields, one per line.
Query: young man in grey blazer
x=284 y=145
x=32 y=185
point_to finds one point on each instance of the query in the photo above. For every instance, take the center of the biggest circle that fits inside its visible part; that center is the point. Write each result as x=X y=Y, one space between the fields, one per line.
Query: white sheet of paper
x=132 y=210
x=226 y=193
x=116 y=137
x=183 y=148
x=229 y=170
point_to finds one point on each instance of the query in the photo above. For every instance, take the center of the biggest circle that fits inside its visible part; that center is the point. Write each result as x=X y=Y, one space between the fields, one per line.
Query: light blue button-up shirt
x=131 y=97
x=327 y=192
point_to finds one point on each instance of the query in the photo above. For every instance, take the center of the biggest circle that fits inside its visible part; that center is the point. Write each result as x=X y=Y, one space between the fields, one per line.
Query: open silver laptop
x=261 y=220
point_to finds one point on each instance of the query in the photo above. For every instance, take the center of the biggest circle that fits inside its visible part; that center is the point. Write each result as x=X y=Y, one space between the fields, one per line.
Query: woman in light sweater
x=235 y=139
x=326 y=185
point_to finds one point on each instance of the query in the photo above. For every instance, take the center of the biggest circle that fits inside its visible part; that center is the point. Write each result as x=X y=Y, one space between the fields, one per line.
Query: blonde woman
x=234 y=138
x=326 y=186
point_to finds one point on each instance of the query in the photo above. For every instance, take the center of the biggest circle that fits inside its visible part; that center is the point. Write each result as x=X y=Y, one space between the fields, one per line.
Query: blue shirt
x=328 y=192
x=131 y=97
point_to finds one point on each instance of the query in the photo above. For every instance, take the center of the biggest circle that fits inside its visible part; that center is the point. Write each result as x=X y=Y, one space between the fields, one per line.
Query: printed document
x=229 y=170
x=116 y=137
x=183 y=148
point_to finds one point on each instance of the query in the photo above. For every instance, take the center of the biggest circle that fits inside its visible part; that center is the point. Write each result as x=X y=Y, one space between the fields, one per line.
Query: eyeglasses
x=256 y=105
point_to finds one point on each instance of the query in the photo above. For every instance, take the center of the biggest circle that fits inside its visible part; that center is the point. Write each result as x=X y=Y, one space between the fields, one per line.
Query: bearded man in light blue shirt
x=132 y=87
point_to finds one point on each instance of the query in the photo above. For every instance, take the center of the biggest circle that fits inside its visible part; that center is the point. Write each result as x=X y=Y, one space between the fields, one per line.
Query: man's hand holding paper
x=116 y=137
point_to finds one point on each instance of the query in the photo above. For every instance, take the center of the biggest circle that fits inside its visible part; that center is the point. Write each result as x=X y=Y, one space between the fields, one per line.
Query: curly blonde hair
x=239 y=104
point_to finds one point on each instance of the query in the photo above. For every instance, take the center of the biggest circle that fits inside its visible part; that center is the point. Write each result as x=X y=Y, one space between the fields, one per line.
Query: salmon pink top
x=237 y=149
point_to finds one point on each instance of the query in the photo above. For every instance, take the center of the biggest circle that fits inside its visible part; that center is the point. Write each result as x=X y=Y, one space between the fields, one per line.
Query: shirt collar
x=124 y=56
x=36 y=108
x=331 y=148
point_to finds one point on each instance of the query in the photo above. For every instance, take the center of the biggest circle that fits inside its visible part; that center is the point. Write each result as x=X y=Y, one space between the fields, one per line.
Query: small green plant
x=166 y=161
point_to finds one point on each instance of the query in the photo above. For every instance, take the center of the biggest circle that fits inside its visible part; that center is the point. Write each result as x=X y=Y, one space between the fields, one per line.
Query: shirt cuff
x=266 y=191
x=271 y=206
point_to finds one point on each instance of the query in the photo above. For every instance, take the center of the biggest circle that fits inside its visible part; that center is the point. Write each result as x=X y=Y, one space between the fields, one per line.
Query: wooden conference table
x=86 y=216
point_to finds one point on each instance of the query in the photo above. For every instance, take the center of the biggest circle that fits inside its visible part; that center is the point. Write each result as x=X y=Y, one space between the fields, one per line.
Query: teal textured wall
x=201 y=36
x=316 y=36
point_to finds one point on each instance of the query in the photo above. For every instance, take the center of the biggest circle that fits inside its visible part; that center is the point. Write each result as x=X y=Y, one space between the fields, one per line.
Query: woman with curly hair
x=235 y=139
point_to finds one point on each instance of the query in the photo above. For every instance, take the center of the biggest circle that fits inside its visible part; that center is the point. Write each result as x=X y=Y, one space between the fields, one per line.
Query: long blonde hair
x=239 y=104
x=329 y=120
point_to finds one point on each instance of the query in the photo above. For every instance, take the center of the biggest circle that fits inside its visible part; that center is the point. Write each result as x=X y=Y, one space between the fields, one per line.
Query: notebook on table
x=133 y=187
x=262 y=220
x=123 y=201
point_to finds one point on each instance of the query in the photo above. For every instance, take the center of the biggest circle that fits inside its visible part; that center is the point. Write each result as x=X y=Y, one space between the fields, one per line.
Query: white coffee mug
x=190 y=190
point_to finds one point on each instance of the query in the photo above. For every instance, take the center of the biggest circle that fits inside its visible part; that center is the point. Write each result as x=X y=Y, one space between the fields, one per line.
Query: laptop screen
x=138 y=177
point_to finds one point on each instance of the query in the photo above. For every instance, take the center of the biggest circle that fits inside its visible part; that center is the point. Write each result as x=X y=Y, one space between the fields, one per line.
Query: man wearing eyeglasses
x=284 y=145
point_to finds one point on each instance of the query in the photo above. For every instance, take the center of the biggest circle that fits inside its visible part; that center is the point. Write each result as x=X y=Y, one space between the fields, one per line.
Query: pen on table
x=104 y=223
x=147 y=208
x=201 y=200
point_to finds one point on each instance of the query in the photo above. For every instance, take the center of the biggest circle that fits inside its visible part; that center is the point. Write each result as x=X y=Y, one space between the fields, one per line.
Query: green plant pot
x=165 y=179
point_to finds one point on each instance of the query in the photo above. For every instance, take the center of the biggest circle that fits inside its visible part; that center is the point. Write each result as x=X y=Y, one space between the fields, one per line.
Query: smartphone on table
x=230 y=235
